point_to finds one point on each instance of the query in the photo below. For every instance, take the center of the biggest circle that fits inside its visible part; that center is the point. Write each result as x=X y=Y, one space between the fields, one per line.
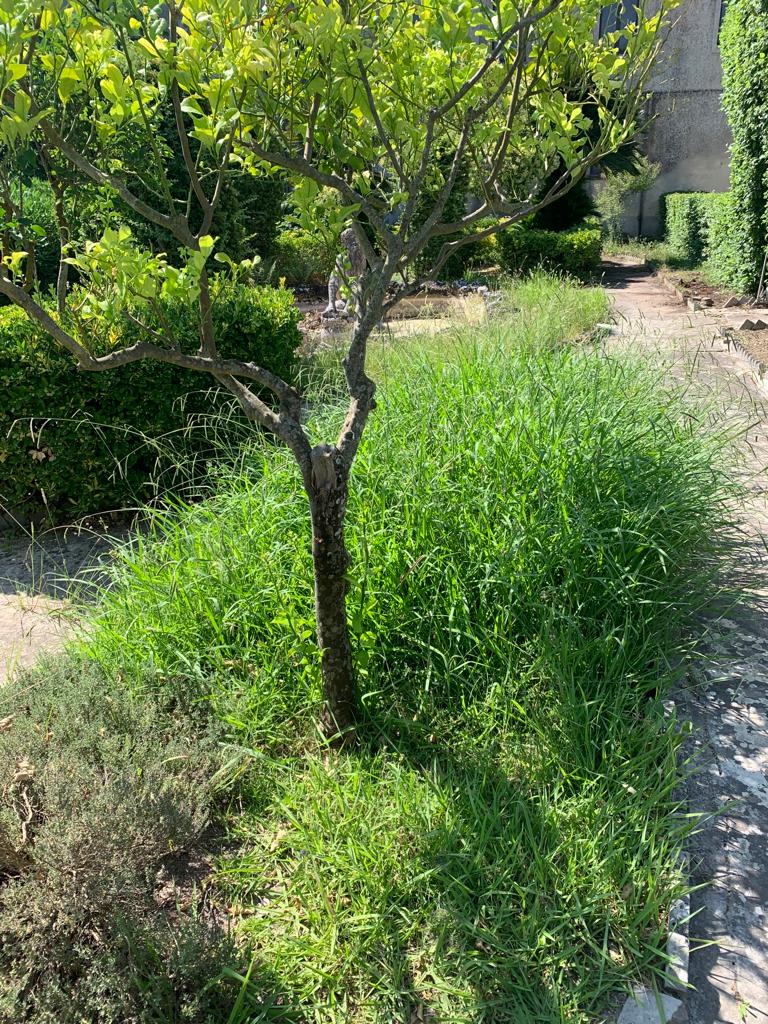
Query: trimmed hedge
x=576 y=252
x=686 y=217
x=302 y=258
x=699 y=227
x=744 y=45
x=725 y=261
x=74 y=442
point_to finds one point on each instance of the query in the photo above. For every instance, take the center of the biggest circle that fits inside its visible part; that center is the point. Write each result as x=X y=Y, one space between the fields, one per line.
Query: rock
x=746 y=325
x=707 y=302
x=761 y=325
x=643 y=1008
x=732 y=301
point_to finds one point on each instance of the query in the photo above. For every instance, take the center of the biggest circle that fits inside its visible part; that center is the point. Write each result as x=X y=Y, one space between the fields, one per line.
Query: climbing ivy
x=744 y=43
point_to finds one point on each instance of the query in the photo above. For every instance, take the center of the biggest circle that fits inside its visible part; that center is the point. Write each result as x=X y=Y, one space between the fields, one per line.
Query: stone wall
x=689 y=135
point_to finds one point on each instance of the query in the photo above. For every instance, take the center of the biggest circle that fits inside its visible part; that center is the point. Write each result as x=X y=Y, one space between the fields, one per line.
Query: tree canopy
x=374 y=104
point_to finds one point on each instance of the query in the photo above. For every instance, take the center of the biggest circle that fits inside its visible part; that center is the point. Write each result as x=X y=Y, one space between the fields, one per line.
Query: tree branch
x=177 y=225
x=145 y=350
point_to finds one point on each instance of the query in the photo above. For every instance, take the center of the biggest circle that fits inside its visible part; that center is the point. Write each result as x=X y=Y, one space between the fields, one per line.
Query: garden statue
x=350 y=264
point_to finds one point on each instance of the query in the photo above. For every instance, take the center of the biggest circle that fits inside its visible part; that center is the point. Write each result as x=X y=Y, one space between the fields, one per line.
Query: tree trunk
x=328 y=504
x=62 y=277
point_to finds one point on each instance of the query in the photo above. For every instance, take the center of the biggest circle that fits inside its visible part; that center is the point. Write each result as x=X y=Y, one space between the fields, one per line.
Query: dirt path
x=37 y=577
x=728 y=702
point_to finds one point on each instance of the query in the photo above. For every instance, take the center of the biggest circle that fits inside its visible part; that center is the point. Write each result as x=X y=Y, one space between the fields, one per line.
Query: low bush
x=101 y=799
x=301 y=258
x=75 y=443
x=576 y=252
x=534 y=526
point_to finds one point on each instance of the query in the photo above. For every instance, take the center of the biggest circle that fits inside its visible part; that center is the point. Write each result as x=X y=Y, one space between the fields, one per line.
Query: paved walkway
x=728 y=702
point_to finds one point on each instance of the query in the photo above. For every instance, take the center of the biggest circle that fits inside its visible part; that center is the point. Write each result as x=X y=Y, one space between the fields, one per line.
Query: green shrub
x=574 y=252
x=246 y=219
x=455 y=208
x=302 y=258
x=743 y=49
x=615 y=189
x=684 y=215
x=39 y=211
x=569 y=210
x=73 y=443
x=483 y=253
x=37 y=225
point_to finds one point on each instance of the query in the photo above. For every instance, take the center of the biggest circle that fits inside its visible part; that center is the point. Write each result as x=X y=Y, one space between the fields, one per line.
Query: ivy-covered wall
x=744 y=46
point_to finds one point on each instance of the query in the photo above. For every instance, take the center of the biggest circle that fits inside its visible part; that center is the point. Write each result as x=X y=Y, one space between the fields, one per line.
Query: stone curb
x=734 y=346
x=671 y=286
x=647 y=1007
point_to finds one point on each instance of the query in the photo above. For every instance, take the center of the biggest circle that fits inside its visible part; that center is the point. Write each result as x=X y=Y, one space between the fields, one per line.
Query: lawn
x=535 y=525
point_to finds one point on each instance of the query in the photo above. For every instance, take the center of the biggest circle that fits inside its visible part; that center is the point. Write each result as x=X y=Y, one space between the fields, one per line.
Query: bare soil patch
x=755 y=344
x=692 y=288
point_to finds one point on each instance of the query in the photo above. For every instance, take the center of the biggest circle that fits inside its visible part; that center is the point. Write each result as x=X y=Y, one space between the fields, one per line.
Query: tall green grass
x=534 y=527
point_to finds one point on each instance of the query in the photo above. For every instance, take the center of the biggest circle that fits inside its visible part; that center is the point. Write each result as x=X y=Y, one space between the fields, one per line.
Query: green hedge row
x=576 y=252
x=699 y=226
x=743 y=47
x=687 y=217
x=74 y=443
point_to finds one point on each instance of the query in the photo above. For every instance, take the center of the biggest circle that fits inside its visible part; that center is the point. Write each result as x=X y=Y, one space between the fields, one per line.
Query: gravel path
x=728 y=700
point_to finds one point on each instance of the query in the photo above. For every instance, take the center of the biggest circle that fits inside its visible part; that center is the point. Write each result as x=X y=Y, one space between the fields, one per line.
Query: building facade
x=688 y=136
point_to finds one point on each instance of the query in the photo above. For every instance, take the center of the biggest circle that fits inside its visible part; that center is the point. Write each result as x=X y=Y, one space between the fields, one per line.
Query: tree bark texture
x=328 y=492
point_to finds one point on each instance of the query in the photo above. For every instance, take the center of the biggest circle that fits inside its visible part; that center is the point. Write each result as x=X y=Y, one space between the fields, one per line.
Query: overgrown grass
x=652 y=249
x=533 y=527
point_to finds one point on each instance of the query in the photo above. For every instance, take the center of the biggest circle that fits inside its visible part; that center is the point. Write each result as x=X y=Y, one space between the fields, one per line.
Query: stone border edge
x=735 y=347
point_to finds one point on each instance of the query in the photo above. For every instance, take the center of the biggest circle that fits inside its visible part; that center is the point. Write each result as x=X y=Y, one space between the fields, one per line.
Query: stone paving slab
x=28 y=626
x=727 y=699
x=646 y=1008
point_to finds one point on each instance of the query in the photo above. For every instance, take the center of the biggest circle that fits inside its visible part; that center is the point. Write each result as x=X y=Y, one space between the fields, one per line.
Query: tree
x=362 y=97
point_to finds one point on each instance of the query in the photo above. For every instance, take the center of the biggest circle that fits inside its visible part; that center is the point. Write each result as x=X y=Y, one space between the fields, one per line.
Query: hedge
x=744 y=45
x=686 y=217
x=576 y=252
x=73 y=442
x=301 y=258
x=699 y=228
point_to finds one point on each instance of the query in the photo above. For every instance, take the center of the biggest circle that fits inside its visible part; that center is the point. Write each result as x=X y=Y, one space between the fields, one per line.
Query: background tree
x=362 y=97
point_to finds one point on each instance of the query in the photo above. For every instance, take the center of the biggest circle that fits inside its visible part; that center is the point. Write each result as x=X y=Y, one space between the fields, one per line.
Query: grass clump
x=534 y=527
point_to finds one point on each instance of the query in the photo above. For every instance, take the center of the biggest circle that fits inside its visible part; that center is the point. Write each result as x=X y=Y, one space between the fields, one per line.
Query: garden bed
x=692 y=288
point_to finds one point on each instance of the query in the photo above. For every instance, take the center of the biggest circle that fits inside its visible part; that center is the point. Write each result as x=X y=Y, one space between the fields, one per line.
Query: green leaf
x=69 y=80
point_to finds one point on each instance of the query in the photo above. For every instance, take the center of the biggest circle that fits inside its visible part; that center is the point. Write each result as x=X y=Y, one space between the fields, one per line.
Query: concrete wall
x=689 y=136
